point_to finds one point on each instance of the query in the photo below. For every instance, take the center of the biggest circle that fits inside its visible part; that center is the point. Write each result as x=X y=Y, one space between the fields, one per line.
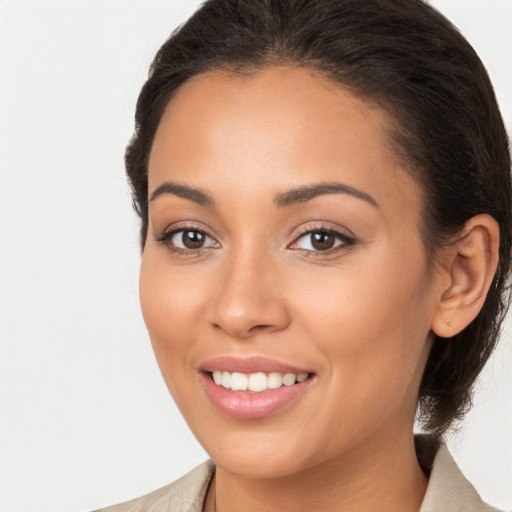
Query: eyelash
x=346 y=241
x=166 y=237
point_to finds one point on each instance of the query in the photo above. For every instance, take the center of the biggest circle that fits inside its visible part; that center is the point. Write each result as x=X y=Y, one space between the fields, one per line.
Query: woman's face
x=284 y=239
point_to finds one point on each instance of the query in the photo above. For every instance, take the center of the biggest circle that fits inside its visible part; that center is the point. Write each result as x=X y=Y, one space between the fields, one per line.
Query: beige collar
x=448 y=489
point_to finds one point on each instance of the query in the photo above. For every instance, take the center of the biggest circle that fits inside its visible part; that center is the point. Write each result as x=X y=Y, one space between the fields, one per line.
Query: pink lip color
x=244 y=404
x=249 y=365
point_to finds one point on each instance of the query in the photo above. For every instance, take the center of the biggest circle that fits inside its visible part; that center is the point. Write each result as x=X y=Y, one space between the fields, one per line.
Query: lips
x=251 y=388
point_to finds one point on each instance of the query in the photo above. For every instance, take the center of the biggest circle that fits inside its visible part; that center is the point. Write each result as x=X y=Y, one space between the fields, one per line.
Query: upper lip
x=250 y=365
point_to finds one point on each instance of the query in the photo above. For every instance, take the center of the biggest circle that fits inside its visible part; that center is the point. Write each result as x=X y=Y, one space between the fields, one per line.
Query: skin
x=359 y=316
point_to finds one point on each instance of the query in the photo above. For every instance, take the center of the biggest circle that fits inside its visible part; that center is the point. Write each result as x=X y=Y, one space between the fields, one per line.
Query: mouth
x=258 y=382
x=253 y=388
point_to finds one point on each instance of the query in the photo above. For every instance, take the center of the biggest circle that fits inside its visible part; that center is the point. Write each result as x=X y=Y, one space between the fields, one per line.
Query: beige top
x=447 y=491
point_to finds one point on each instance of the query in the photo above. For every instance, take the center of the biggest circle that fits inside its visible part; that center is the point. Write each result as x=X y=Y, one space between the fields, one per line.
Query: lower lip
x=247 y=405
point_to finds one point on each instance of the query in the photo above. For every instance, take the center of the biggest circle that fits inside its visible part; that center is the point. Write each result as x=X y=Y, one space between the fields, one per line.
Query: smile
x=256 y=382
x=255 y=387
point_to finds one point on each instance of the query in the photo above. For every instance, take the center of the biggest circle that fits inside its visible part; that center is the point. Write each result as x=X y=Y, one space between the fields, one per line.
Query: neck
x=384 y=477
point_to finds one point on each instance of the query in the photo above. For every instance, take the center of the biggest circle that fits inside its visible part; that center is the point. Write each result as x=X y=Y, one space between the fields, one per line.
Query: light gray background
x=86 y=420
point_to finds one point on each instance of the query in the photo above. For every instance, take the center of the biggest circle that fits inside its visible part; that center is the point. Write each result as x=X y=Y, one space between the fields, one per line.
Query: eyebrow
x=288 y=198
x=193 y=194
x=303 y=194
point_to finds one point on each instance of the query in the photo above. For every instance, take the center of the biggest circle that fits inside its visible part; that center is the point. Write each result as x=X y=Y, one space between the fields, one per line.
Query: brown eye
x=187 y=239
x=193 y=239
x=322 y=241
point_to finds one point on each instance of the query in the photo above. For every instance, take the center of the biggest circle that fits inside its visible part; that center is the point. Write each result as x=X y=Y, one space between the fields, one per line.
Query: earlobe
x=471 y=264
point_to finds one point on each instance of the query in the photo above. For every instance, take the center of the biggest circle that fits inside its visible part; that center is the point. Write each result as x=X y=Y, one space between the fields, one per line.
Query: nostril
x=242 y=329
x=261 y=327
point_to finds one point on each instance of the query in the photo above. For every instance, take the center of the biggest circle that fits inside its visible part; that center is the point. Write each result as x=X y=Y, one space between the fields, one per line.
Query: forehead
x=281 y=127
x=287 y=99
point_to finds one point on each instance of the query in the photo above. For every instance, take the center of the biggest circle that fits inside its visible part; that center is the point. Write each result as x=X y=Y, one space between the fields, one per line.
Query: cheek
x=371 y=323
x=171 y=303
x=171 y=297
x=378 y=294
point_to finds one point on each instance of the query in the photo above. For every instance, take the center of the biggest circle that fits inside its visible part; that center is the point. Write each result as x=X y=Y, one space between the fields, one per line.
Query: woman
x=324 y=189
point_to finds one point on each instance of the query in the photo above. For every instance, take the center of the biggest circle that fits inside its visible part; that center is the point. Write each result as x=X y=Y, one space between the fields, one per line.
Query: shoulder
x=448 y=489
x=185 y=495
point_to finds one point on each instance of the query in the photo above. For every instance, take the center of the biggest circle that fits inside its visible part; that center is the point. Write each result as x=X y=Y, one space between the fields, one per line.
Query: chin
x=258 y=464
x=256 y=453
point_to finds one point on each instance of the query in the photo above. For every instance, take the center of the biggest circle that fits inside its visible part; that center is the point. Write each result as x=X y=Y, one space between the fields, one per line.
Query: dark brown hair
x=406 y=56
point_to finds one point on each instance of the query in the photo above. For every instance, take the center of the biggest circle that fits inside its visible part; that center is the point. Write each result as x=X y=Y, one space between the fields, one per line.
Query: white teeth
x=226 y=380
x=239 y=381
x=256 y=382
x=275 y=380
x=289 y=379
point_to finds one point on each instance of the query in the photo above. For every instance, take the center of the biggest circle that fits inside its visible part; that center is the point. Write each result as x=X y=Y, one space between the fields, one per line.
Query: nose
x=249 y=299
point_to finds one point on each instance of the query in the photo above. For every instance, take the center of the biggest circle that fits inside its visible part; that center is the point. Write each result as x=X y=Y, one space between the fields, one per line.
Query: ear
x=470 y=265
